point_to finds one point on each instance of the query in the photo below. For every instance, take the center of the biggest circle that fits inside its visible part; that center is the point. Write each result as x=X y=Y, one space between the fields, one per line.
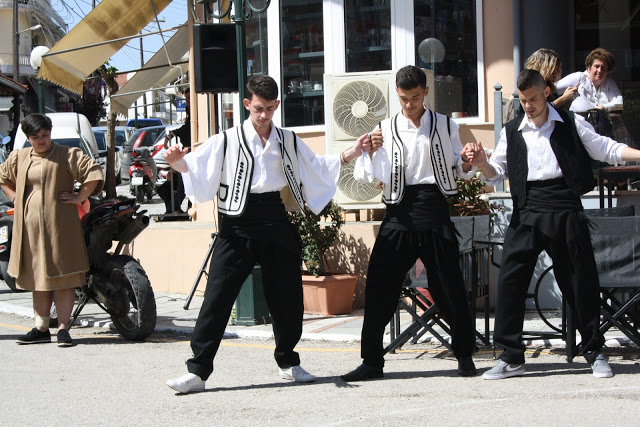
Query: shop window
x=451 y=58
x=301 y=32
x=368 y=35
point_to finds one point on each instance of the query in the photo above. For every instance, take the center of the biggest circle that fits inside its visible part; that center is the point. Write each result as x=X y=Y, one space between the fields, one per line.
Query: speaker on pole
x=215 y=58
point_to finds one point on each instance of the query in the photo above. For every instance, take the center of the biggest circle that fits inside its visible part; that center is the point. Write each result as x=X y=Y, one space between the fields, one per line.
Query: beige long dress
x=32 y=270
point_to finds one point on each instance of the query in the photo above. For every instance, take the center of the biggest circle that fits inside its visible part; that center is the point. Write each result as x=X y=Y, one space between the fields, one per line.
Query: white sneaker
x=600 y=367
x=503 y=370
x=297 y=374
x=187 y=383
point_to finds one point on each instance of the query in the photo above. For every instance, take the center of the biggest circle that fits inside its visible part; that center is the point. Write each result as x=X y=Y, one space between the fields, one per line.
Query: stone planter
x=329 y=294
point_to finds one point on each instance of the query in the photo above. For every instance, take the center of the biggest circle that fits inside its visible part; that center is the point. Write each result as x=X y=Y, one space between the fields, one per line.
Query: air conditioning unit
x=354 y=104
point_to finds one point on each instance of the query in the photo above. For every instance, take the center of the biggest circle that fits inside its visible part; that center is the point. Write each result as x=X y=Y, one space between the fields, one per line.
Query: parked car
x=122 y=134
x=72 y=130
x=144 y=123
x=143 y=137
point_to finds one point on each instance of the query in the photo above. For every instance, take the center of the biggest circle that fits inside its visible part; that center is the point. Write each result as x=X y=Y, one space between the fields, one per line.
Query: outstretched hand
x=174 y=154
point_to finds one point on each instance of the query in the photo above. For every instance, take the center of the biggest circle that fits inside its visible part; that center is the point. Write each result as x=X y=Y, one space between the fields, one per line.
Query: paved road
x=155 y=206
x=105 y=380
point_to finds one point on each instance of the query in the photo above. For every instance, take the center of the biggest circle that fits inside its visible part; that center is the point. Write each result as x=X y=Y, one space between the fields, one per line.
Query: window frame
x=402 y=53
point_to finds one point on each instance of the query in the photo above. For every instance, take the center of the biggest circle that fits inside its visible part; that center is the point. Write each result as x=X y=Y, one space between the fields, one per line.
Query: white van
x=72 y=130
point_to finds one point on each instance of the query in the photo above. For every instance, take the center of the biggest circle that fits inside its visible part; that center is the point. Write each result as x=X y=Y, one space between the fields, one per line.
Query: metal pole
x=241 y=41
x=40 y=95
x=16 y=65
x=144 y=95
x=497 y=122
x=16 y=43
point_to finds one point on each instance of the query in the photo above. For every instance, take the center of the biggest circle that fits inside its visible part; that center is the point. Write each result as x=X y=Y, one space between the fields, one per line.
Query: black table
x=612 y=173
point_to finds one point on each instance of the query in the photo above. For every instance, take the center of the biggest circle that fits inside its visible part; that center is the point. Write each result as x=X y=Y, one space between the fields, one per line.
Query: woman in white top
x=595 y=88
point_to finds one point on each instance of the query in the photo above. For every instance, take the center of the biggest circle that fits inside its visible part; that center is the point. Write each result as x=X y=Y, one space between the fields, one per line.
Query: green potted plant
x=325 y=292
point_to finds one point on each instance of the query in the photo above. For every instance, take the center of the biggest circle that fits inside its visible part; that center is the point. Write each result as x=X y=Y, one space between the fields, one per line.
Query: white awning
x=70 y=61
x=156 y=72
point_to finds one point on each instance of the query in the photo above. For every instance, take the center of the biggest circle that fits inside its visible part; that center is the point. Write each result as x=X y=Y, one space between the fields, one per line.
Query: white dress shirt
x=541 y=160
x=589 y=97
x=318 y=174
x=418 y=167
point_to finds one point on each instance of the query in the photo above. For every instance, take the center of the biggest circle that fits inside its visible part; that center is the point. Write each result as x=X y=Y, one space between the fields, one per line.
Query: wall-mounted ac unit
x=354 y=104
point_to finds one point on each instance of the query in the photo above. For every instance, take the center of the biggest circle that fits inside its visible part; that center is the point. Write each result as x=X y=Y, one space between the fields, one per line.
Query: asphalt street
x=105 y=380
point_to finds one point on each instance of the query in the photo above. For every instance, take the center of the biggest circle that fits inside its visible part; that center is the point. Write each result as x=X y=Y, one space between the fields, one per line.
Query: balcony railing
x=43 y=7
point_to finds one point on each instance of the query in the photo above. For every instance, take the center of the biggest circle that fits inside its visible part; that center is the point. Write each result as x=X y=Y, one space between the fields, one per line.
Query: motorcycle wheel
x=10 y=281
x=138 y=191
x=140 y=322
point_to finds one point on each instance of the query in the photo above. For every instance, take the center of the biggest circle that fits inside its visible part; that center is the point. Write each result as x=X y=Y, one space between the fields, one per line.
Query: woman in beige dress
x=48 y=252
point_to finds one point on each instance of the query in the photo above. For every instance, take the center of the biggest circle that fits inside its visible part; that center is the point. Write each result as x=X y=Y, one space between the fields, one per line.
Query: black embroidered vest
x=567 y=146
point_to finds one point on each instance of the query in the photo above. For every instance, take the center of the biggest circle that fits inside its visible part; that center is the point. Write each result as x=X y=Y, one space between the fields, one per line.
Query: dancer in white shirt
x=546 y=156
x=246 y=168
x=418 y=166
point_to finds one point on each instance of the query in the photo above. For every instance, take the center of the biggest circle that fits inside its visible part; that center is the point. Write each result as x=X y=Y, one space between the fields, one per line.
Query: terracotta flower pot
x=329 y=294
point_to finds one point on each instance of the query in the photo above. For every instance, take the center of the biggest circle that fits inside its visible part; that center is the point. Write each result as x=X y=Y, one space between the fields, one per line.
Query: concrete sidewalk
x=173 y=317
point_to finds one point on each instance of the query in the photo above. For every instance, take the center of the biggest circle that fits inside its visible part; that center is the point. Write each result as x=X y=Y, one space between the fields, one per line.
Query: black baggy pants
x=394 y=253
x=276 y=248
x=577 y=277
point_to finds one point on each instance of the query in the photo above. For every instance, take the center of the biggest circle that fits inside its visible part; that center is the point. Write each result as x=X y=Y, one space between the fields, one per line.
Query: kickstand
x=82 y=301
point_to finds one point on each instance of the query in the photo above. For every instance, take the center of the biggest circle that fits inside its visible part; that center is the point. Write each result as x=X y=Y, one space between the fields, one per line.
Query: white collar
x=553 y=116
x=252 y=134
x=424 y=119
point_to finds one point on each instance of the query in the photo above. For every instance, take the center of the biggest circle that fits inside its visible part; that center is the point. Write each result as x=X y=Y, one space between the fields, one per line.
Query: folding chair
x=479 y=286
x=414 y=289
x=616 y=247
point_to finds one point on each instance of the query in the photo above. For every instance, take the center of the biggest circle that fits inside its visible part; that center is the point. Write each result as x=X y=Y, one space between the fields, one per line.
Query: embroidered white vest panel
x=237 y=170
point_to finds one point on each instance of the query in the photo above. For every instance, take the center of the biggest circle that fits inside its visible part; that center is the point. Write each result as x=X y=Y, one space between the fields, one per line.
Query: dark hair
x=34 y=123
x=603 y=55
x=263 y=86
x=410 y=77
x=530 y=78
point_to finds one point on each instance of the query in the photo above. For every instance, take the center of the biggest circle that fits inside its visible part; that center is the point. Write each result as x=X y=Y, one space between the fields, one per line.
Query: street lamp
x=35 y=27
x=36 y=61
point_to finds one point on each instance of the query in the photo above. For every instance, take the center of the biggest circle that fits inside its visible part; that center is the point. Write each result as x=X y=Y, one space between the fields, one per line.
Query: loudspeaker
x=215 y=58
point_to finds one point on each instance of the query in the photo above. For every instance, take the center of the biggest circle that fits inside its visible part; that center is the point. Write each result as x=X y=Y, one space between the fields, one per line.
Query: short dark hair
x=410 y=77
x=530 y=78
x=603 y=55
x=34 y=123
x=264 y=86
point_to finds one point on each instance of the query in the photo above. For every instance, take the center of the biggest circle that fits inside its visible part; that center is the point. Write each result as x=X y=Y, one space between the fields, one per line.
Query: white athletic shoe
x=297 y=374
x=187 y=383
x=503 y=370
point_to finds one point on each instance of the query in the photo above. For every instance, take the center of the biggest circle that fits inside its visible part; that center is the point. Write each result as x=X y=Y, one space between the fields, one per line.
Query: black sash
x=556 y=211
x=551 y=195
x=423 y=207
